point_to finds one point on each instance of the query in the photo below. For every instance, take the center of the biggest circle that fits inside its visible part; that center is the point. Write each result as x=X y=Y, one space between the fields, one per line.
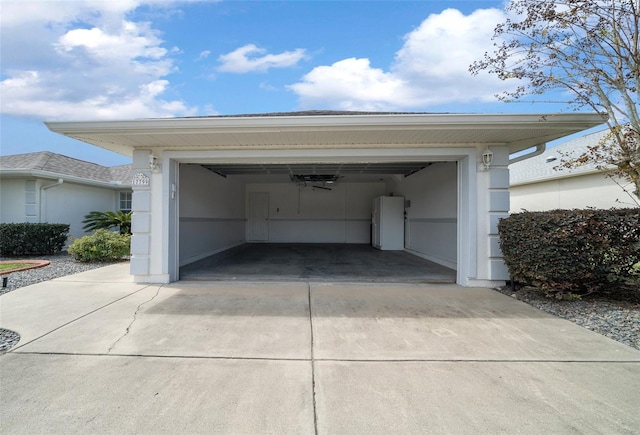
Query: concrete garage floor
x=315 y=262
x=99 y=354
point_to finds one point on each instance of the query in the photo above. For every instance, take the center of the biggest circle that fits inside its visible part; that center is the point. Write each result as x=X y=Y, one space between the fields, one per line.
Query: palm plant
x=96 y=220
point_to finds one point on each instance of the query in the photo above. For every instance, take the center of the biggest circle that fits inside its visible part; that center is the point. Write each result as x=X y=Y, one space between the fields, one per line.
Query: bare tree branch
x=588 y=48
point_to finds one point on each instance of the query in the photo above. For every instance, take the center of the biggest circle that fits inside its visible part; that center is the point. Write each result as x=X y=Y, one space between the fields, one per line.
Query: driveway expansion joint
x=335 y=360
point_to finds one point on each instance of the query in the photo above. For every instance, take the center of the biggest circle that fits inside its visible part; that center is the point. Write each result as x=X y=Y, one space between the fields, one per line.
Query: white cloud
x=430 y=68
x=20 y=12
x=84 y=60
x=250 y=58
x=23 y=95
x=132 y=41
x=203 y=55
x=209 y=110
x=267 y=87
x=350 y=84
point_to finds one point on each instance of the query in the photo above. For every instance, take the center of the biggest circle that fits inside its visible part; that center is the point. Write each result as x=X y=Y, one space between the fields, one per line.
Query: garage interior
x=314 y=221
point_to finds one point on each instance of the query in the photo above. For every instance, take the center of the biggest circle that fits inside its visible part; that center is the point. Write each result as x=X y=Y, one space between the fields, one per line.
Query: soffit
x=518 y=132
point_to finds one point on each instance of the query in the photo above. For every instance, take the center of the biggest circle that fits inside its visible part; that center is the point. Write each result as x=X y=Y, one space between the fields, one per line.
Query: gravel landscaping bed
x=616 y=316
x=61 y=265
x=8 y=339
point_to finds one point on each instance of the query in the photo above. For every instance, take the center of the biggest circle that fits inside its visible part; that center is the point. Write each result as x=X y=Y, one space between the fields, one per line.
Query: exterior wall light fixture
x=487 y=159
x=153 y=162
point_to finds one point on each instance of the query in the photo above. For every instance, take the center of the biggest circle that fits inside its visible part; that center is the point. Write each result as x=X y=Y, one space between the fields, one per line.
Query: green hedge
x=32 y=239
x=573 y=251
x=103 y=245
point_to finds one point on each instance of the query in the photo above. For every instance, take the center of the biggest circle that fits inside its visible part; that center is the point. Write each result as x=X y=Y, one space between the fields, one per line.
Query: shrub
x=573 y=251
x=103 y=245
x=32 y=238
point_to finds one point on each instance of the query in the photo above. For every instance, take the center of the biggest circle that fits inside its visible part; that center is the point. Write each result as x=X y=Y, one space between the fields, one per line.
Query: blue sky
x=129 y=59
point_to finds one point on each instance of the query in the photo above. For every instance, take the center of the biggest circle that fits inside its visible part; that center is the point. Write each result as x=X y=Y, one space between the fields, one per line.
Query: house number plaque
x=140 y=179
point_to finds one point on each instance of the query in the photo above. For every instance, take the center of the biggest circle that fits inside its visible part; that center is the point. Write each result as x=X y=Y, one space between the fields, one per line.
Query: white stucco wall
x=212 y=213
x=431 y=220
x=12 y=200
x=340 y=215
x=68 y=203
x=44 y=200
x=587 y=190
x=497 y=203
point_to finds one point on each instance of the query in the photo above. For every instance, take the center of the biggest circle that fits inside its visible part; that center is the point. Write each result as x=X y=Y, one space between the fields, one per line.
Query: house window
x=125 y=202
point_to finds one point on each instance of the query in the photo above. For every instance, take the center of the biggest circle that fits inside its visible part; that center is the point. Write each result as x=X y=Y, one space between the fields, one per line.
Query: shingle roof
x=63 y=165
x=546 y=165
x=122 y=173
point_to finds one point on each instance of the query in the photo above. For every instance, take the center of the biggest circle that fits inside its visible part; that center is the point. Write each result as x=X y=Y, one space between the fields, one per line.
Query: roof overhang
x=518 y=132
x=48 y=175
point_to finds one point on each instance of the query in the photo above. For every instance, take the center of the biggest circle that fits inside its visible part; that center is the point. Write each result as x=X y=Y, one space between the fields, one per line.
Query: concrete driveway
x=99 y=354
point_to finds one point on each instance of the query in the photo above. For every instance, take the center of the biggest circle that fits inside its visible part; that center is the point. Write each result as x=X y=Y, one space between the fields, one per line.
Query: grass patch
x=8 y=267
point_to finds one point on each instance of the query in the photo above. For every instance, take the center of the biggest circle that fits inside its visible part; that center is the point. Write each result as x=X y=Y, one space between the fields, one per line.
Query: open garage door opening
x=318 y=221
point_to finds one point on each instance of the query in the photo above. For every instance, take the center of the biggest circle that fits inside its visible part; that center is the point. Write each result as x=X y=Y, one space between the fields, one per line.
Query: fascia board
x=14 y=173
x=330 y=122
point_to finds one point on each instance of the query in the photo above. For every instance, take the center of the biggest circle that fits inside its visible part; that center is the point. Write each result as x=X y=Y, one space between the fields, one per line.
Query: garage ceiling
x=338 y=169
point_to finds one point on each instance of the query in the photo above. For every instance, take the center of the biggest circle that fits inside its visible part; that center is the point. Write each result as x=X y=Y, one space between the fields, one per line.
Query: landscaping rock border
x=614 y=316
x=61 y=264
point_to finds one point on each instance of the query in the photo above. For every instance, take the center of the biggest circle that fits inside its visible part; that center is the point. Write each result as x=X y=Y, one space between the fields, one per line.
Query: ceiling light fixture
x=314 y=178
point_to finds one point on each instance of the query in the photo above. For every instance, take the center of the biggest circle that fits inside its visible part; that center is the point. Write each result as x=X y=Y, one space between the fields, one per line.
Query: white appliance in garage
x=387 y=223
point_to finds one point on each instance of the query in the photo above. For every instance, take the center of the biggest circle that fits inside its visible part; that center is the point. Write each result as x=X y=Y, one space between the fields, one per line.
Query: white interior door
x=258 y=222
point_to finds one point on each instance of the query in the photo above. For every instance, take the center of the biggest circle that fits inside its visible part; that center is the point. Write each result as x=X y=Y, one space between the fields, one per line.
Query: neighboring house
x=202 y=185
x=49 y=187
x=539 y=183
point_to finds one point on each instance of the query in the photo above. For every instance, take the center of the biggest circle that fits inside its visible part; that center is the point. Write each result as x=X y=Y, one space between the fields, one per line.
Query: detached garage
x=202 y=186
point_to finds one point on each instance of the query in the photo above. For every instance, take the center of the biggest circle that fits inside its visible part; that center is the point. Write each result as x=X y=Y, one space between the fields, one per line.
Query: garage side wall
x=432 y=217
x=313 y=215
x=212 y=213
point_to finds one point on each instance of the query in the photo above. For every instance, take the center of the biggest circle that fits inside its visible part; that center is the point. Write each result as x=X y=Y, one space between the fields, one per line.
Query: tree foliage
x=587 y=49
x=96 y=220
